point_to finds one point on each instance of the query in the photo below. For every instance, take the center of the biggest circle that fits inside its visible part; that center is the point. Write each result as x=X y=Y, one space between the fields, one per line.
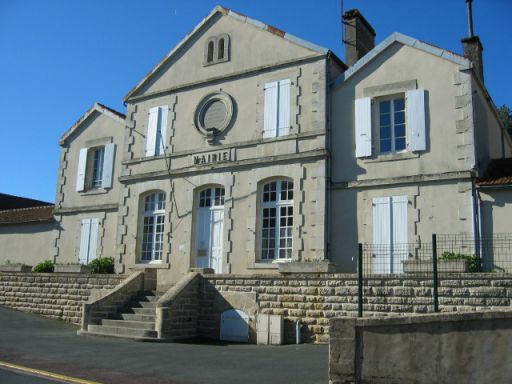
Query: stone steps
x=121 y=331
x=133 y=316
x=138 y=324
x=136 y=320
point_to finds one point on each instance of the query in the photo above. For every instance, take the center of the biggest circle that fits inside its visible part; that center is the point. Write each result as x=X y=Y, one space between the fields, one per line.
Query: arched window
x=209 y=56
x=216 y=50
x=220 y=51
x=277 y=220
x=153 y=227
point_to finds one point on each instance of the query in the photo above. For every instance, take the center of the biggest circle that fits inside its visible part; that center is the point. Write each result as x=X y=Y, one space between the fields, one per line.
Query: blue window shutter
x=85 y=231
x=363 y=121
x=93 y=240
x=284 y=107
x=416 y=122
x=399 y=230
x=82 y=165
x=108 y=165
x=152 y=132
x=382 y=235
x=270 y=112
x=162 y=130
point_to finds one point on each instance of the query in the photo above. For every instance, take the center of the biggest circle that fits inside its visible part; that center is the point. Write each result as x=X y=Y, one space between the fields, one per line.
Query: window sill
x=289 y=136
x=149 y=265
x=98 y=191
x=392 y=157
x=262 y=265
x=281 y=261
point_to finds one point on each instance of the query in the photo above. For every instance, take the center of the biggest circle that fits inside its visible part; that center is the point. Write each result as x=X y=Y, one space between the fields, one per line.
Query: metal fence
x=445 y=256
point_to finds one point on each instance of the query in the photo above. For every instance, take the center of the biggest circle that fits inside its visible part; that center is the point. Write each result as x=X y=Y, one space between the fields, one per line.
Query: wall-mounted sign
x=213 y=157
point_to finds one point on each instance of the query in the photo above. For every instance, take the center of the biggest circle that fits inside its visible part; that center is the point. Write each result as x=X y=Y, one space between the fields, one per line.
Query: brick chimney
x=359 y=36
x=473 y=48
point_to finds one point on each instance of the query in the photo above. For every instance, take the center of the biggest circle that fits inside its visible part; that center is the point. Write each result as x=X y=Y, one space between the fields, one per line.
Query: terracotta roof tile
x=121 y=115
x=499 y=172
x=27 y=215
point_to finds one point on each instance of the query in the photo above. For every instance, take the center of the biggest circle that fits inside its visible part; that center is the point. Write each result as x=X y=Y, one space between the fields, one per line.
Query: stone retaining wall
x=312 y=299
x=470 y=347
x=55 y=295
x=316 y=299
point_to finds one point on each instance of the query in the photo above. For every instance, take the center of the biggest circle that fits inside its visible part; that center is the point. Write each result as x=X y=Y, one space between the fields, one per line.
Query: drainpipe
x=297 y=331
x=477 y=235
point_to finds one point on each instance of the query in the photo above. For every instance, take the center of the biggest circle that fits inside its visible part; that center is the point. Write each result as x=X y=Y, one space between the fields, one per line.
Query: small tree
x=506 y=118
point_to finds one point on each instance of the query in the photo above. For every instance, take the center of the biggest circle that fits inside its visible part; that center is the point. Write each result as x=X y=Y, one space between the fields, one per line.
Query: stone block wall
x=177 y=310
x=470 y=347
x=55 y=295
x=315 y=299
x=194 y=305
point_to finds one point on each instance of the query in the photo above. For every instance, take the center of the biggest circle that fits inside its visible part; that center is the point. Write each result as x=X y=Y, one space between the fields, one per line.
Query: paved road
x=8 y=377
x=53 y=346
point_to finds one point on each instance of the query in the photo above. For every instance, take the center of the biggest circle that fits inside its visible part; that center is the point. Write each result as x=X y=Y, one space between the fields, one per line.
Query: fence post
x=434 y=270
x=360 y=281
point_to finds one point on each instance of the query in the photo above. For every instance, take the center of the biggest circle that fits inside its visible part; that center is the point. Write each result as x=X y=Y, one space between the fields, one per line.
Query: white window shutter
x=399 y=230
x=270 y=112
x=381 y=235
x=85 y=230
x=82 y=165
x=93 y=240
x=416 y=122
x=108 y=165
x=162 y=129
x=363 y=120
x=152 y=131
x=284 y=107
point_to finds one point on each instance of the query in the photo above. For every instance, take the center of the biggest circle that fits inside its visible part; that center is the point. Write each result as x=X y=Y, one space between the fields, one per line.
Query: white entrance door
x=210 y=229
x=217 y=215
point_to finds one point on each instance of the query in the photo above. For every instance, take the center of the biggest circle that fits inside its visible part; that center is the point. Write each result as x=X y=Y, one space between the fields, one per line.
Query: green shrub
x=46 y=266
x=473 y=261
x=102 y=265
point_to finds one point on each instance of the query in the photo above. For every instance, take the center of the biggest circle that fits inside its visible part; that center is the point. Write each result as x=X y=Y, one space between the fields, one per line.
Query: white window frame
x=391 y=100
x=277 y=205
x=150 y=235
x=95 y=171
x=368 y=121
x=95 y=168
x=211 y=197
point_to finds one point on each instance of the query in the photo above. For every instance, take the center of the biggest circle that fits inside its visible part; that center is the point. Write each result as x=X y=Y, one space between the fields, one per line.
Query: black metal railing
x=444 y=256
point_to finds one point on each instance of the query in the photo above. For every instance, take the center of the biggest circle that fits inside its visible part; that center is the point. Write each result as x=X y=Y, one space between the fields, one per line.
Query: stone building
x=280 y=158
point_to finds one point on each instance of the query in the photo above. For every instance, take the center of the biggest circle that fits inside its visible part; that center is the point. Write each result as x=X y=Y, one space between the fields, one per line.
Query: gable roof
x=27 y=215
x=97 y=107
x=17 y=202
x=398 y=37
x=240 y=17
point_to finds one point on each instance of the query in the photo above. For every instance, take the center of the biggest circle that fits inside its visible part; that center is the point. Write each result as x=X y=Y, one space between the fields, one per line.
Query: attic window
x=220 y=55
x=216 y=50
x=211 y=47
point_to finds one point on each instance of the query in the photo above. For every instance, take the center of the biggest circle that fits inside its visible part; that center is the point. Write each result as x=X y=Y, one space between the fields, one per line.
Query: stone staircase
x=135 y=320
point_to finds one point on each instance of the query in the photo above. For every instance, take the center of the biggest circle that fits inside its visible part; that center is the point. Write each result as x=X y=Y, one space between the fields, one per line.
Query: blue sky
x=61 y=56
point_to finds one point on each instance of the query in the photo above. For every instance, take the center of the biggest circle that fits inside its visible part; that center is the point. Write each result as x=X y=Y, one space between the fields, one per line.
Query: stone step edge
x=81 y=332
